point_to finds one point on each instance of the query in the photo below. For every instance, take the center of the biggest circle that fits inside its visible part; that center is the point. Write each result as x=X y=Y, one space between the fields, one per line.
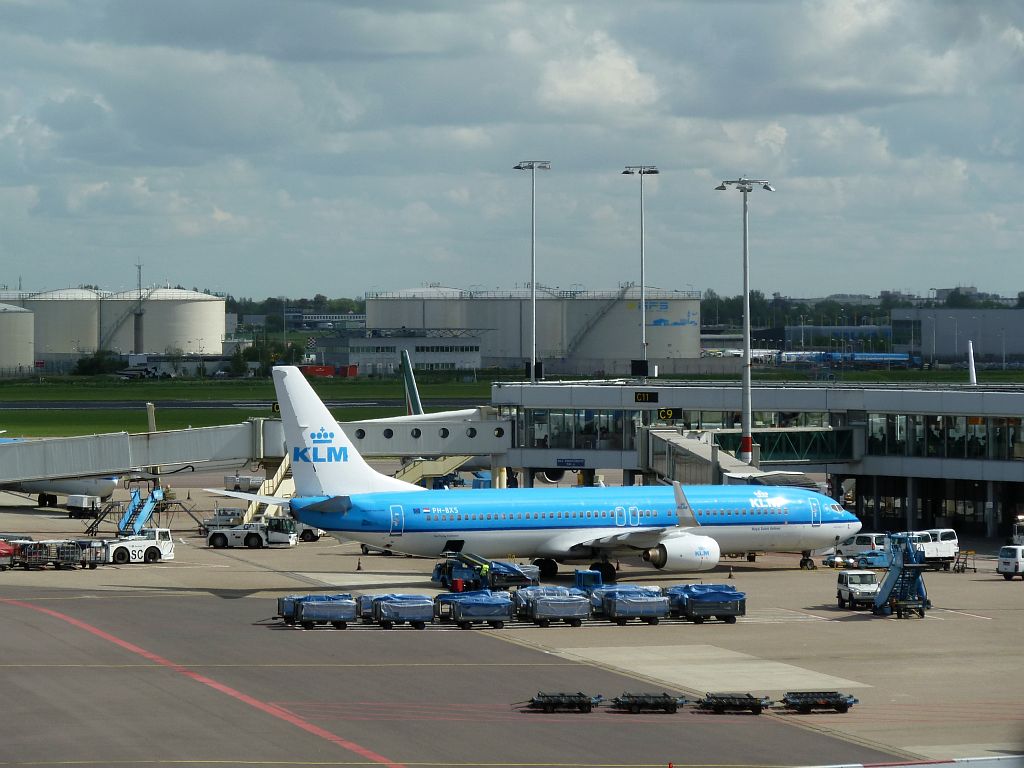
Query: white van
x=861 y=543
x=1011 y=562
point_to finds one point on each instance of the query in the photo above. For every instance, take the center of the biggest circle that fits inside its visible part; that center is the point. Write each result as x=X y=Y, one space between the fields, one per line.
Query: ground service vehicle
x=855 y=588
x=151 y=546
x=80 y=505
x=272 y=532
x=940 y=546
x=1018 y=531
x=1011 y=561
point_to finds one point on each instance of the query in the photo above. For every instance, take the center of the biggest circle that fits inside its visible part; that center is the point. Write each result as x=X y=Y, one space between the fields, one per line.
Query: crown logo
x=322 y=437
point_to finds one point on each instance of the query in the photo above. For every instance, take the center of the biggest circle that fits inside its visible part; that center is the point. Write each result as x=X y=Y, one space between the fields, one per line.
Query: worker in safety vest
x=484 y=571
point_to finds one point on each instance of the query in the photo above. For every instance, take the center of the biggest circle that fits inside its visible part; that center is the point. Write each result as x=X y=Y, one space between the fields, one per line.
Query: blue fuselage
x=547 y=522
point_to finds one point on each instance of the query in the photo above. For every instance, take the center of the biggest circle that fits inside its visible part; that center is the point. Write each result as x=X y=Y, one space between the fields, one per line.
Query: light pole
x=533 y=166
x=284 y=329
x=1002 y=337
x=746 y=186
x=801 y=332
x=641 y=171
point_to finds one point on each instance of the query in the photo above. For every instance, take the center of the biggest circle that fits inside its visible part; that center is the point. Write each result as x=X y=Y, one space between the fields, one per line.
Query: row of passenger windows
x=451 y=517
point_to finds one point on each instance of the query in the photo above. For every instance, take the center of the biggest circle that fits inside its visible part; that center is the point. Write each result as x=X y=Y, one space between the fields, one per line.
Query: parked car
x=860 y=543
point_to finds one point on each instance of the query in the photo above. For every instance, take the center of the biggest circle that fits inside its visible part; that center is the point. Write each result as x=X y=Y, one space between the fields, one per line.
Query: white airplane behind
x=670 y=527
x=46 y=490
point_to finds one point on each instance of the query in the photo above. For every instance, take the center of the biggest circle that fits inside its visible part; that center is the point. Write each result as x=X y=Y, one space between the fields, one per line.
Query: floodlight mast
x=746 y=186
x=533 y=166
x=641 y=171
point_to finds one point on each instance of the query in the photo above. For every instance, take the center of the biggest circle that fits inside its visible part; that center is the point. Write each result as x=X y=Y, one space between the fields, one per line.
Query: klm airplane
x=670 y=527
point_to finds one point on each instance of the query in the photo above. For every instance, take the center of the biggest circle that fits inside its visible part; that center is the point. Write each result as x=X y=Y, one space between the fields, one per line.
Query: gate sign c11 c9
x=645 y=396
x=670 y=414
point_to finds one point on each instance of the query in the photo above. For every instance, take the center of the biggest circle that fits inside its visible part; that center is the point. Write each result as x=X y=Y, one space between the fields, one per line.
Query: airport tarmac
x=182 y=662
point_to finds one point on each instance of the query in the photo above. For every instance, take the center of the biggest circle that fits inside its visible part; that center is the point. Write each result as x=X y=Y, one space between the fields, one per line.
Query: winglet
x=683 y=510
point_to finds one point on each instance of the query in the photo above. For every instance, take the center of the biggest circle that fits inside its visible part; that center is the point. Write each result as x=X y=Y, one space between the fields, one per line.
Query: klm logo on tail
x=322 y=450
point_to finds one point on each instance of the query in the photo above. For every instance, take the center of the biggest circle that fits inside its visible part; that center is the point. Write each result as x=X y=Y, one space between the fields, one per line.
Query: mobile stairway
x=903 y=590
x=138 y=512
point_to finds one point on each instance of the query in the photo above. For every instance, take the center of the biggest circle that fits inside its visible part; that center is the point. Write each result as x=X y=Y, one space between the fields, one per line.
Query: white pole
x=533 y=273
x=643 y=283
x=746 y=440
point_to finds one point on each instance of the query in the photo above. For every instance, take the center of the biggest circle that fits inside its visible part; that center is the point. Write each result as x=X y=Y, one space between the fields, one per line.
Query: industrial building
x=70 y=323
x=16 y=341
x=577 y=331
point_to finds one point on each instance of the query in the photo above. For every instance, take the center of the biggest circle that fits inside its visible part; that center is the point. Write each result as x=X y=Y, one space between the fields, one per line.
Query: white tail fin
x=324 y=460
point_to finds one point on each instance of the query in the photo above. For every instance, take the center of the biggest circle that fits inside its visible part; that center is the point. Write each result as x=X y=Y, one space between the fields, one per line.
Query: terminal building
x=911 y=457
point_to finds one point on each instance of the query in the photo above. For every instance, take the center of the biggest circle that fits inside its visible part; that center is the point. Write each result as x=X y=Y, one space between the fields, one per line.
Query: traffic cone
x=359 y=564
x=730 y=571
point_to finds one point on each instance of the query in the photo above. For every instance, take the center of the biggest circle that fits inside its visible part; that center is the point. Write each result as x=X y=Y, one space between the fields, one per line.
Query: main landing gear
x=607 y=571
x=806 y=563
x=548 y=567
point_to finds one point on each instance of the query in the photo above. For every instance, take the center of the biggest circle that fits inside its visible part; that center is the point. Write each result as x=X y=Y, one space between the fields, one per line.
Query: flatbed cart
x=720 y=703
x=806 y=701
x=562 y=702
x=494 y=610
x=648 y=702
x=337 y=612
x=389 y=610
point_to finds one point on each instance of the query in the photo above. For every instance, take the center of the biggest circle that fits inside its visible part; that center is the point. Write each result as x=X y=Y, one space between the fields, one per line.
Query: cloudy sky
x=307 y=146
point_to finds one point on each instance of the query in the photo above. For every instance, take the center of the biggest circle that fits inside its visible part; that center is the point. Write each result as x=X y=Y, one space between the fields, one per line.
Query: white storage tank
x=16 y=341
x=66 y=320
x=173 y=320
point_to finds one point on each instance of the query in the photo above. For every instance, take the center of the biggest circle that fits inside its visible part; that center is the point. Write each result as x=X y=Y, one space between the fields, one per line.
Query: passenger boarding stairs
x=139 y=512
x=903 y=588
x=415 y=471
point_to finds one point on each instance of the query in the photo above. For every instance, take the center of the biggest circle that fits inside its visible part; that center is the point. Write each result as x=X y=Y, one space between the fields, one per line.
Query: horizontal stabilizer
x=269 y=500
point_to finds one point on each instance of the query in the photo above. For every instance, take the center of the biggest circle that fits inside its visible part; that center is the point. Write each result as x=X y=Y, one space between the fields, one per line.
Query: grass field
x=50 y=422
x=64 y=422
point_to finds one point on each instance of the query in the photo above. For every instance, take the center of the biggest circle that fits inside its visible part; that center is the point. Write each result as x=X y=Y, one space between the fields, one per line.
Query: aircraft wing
x=633 y=538
x=625 y=538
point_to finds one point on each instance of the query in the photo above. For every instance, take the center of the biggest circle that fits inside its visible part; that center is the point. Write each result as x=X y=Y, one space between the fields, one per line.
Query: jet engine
x=685 y=553
x=551 y=475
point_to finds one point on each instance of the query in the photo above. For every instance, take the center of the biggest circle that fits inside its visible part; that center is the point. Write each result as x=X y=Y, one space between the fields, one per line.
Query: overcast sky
x=291 y=148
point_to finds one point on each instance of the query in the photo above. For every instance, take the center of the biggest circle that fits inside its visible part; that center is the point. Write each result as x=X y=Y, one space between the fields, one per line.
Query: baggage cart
x=562 y=702
x=806 y=701
x=93 y=553
x=494 y=610
x=648 y=702
x=523 y=595
x=337 y=612
x=699 y=602
x=6 y=555
x=39 y=554
x=719 y=703
x=543 y=609
x=287 y=606
x=389 y=610
x=620 y=607
x=443 y=602
x=598 y=594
